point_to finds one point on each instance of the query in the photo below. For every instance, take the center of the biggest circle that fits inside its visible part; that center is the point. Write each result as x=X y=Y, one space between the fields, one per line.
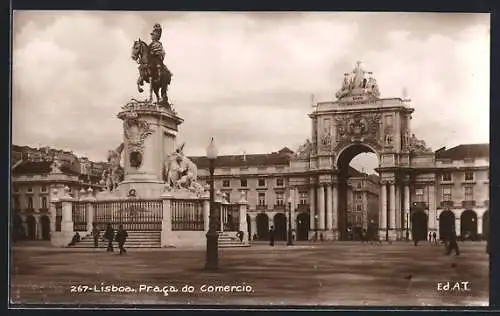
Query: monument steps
x=228 y=241
x=136 y=239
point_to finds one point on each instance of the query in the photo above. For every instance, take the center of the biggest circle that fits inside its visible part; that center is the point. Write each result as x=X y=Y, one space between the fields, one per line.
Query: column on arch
x=335 y=208
x=312 y=207
x=329 y=207
x=321 y=206
x=399 y=217
x=382 y=218
x=406 y=205
x=392 y=208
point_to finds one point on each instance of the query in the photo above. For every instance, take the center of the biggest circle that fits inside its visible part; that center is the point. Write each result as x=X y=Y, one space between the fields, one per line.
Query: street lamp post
x=290 y=236
x=212 y=260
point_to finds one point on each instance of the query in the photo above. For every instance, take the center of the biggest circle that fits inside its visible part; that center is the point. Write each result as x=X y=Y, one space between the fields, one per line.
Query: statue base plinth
x=143 y=189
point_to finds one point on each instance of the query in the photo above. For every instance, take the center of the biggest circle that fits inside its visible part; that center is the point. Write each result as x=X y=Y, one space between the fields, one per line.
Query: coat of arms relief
x=358 y=128
x=136 y=131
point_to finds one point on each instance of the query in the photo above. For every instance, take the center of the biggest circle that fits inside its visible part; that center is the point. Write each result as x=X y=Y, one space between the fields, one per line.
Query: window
x=44 y=202
x=303 y=198
x=469 y=176
x=280 y=182
x=30 y=202
x=359 y=207
x=30 y=189
x=446 y=194
x=16 y=188
x=262 y=199
x=226 y=183
x=446 y=176
x=359 y=196
x=419 y=195
x=279 y=198
x=469 y=193
x=44 y=188
x=262 y=182
x=243 y=183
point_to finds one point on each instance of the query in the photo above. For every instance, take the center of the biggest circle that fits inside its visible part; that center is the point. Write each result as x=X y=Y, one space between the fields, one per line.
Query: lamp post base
x=290 y=241
x=212 y=262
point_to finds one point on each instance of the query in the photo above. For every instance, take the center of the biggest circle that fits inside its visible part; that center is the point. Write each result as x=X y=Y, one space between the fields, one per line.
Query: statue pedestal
x=150 y=133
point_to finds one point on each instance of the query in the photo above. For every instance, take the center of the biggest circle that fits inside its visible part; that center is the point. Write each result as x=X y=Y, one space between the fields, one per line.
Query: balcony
x=468 y=203
x=447 y=204
x=261 y=207
x=279 y=206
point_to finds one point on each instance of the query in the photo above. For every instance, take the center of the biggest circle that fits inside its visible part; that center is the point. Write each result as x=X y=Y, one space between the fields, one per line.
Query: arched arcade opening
x=468 y=225
x=302 y=226
x=446 y=224
x=262 y=226
x=280 y=227
x=356 y=169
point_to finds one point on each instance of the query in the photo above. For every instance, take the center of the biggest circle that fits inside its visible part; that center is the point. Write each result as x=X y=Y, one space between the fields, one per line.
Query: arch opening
x=280 y=227
x=31 y=225
x=468 y=225
x=357 y=201
x=419 y=221
x=303 y=226
x=45 y=223
x=446 y=224
x=262 y=226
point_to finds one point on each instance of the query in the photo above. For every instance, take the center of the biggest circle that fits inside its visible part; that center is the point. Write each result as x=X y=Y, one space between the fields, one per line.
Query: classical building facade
x=35 y=172
x=314 y=190
x=265 y=178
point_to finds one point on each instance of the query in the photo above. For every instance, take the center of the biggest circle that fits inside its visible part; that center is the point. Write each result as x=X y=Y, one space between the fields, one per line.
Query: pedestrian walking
x=452 y=244
x=74 y=240
x=96 y=234
x=121 y=238
x=271 y=236
x=241 y=234
x=434 y=238
x=110 y=236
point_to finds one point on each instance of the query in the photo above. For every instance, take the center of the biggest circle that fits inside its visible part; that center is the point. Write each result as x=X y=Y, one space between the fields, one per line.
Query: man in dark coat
x=121 y=237
x=452 y=244
x=109 y=235
x=271 y=236
x=96 y=234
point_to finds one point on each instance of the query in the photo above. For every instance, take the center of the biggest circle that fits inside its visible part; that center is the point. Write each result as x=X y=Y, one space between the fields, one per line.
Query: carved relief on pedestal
x=136 y=131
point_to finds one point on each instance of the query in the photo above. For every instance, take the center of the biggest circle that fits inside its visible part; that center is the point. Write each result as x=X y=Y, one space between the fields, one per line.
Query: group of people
x=109 y=235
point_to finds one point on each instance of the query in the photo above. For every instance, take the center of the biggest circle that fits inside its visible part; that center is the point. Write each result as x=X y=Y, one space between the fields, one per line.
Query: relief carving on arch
x=357 y=128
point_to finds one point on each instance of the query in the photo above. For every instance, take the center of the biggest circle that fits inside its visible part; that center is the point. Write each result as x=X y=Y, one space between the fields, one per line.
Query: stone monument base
x=149 y=189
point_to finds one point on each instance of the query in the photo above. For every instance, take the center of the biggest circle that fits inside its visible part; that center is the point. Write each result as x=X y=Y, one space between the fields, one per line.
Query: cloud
x=244 y=78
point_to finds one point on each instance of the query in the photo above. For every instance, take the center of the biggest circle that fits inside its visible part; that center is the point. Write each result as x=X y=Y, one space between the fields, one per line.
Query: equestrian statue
x=151 y=67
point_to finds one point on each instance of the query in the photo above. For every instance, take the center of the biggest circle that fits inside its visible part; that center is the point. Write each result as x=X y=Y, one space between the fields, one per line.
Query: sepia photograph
x=249 y=159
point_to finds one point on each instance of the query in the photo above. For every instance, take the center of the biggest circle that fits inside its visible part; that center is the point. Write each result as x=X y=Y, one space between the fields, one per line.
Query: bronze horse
x=148 y=72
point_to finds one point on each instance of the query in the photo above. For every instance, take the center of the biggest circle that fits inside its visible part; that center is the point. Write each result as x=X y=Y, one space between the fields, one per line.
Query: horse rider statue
x=151 y=67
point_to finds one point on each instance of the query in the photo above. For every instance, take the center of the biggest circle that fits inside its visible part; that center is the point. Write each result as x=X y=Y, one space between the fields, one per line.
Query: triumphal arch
x=359 y=121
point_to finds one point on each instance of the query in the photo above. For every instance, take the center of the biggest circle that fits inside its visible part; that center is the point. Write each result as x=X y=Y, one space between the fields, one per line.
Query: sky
x=244 y=78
